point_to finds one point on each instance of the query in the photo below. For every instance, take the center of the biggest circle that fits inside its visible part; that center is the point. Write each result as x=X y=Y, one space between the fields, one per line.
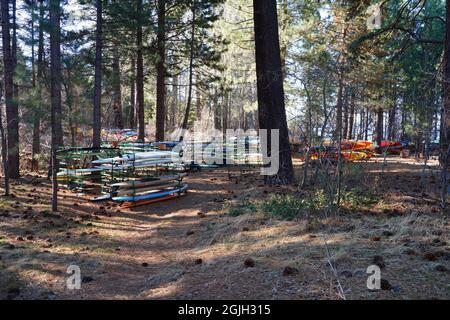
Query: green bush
x=358 y=198
x=287 y=207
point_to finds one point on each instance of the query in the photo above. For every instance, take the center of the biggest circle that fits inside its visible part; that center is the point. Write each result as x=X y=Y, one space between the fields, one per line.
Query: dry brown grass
x=191 y=248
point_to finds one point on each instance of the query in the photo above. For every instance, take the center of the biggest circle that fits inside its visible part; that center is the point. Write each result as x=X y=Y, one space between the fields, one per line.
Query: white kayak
x=135 y=165
x=153 y=155
x=74 y=172
x=148 y=182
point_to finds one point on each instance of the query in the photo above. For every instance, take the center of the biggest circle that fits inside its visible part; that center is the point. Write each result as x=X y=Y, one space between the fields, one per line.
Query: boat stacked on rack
x=138 y=160
x=149 y=190
x=76 y=172
x=142 y=178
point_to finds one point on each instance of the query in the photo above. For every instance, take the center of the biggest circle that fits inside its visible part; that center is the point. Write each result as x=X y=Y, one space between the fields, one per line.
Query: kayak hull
x=152 y=195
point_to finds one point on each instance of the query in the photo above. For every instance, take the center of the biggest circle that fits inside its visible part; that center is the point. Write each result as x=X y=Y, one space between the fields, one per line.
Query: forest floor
x=217 y=243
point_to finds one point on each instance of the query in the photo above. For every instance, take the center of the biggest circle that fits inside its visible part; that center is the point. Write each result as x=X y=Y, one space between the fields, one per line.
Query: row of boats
x=351 y=151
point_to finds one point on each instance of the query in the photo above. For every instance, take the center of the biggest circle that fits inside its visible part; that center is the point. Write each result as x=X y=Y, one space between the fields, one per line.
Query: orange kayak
x=356 y=145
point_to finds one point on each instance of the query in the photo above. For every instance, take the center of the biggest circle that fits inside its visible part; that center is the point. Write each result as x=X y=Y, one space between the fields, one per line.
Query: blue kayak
x=155 y=195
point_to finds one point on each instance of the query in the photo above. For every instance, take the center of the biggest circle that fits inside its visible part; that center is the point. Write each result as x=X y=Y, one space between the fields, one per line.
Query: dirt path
x=190 y=248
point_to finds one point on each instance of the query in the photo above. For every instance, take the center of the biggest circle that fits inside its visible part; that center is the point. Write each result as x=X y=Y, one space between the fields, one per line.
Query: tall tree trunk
x=367 y=124
x=4 y=147
x=140 y=73
x=191 y=70
x=284 y=26
x=445 y=132
x=174 y=113
x=217 y=112
x=271 y=104
x=225 y=108
x=198 y=104
x=97 y=116
x=14 y=45
x=55 y=57
x=379 y=127
x=339 y=108
x=351 y=121
x=392 y=121
x=69 y=102
x=36 y=148
x=132 y=111
x=346 y=115
x=117 y=84
x=12 y=112
x=161 y=72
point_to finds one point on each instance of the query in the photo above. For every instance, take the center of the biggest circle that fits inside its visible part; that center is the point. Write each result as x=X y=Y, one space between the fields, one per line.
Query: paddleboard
x=152 y=195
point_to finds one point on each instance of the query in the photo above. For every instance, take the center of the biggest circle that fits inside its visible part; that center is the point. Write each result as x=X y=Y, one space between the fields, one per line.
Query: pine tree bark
x=12 y=112
x=175 y=90
x=117 y=88
x=351 y=122
x=379 y=127
x=271 y=104
x=191 y=70
x=132 y=111
x=161 y=73
x=56 y=76
x=445 y=130
x=198 y=104
x=140 y=73
x=36 y=147
x=97 y=116
x=4 y=147
x=392 y=122
x=346 y=115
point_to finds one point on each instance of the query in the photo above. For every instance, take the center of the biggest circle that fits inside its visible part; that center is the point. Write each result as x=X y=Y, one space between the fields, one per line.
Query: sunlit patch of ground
x=192 y=248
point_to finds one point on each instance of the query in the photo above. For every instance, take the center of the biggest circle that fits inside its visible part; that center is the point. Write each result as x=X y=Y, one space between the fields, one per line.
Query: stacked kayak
x=148 y=190
x=392 y=147
x=140 y=159
x=76 y=172
x=349 y=145
x=141 y=180
x=350 y=151
x=158 y=193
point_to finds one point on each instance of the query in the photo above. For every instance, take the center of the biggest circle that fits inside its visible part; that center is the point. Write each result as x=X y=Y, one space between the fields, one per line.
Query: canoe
x=151 y=196
x=149 y=181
